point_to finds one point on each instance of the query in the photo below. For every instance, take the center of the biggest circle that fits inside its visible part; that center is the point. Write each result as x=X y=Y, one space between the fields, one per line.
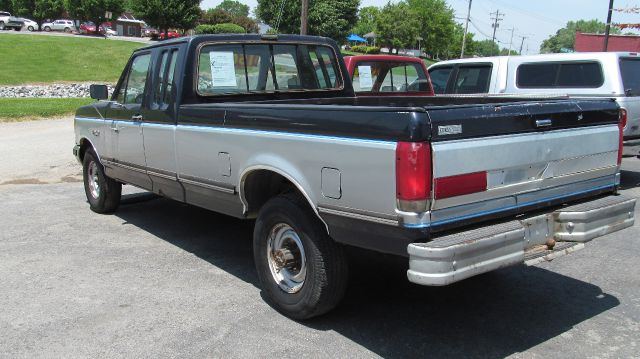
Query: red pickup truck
x=388 y=75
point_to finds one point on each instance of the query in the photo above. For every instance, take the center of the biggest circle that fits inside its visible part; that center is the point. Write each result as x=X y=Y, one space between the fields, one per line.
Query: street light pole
x=466 y=27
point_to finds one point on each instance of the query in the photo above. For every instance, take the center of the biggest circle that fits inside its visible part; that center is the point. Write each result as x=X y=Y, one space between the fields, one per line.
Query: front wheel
x=47 y=28
x=67 y=30
x=1 y=25
x=30 y=28
x=103 y=193
x=303 y=272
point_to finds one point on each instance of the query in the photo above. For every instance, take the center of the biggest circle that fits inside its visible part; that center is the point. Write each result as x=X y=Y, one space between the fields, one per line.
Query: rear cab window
x=566 y=74
x=385 y=76
x=630 y=73
x=472 y=79
x=229 y=69
x=439 y=78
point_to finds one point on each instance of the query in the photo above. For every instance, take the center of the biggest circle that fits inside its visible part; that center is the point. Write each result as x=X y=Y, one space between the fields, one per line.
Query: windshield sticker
x=365 y=81
x=223 y=71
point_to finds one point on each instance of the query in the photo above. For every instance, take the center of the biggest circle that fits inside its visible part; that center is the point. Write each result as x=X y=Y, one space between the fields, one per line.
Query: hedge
x=226 y=28
x=365 y=49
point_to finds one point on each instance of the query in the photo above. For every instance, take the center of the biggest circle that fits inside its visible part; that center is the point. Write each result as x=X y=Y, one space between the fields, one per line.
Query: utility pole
x=522 y=44
x=608 y=28
x=511 y=41
x=466 y=27
x=304 y=16
x=495 y=26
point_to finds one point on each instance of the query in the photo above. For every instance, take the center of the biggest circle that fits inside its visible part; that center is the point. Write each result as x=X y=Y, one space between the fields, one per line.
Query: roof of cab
x=198 y=39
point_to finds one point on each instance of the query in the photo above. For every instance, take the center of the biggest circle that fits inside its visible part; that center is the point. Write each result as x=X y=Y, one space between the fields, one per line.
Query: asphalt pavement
x=163 y=279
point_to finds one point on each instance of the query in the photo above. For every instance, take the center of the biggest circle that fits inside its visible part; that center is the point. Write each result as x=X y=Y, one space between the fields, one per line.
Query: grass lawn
x=29 y=59
x=18 y=109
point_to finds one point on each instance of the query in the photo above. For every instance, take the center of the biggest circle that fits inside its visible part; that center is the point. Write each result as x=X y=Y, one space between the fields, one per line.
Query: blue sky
x=536 y=20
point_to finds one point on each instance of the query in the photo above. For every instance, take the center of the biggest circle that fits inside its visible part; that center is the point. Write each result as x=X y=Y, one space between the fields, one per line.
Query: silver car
x=59 y=25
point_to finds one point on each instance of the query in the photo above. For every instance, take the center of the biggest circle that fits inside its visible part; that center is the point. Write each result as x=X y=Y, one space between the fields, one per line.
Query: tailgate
x=495 y=159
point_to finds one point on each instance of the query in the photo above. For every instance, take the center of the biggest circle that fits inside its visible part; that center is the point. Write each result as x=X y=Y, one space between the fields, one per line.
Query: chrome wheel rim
x=286 y=258
x=94 y=185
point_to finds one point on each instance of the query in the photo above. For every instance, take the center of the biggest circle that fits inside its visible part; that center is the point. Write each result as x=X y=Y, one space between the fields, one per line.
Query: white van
x=586 y=74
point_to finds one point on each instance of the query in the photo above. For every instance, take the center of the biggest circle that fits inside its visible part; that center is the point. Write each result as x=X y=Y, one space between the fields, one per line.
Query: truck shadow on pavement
x=629 y=179
x=493 y=315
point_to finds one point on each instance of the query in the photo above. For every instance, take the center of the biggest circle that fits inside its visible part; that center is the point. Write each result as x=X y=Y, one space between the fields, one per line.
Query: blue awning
x=355 y=38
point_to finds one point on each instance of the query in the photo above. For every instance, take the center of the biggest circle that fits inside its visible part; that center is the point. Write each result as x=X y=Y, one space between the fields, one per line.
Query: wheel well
x=261 y=185
x=84 y=146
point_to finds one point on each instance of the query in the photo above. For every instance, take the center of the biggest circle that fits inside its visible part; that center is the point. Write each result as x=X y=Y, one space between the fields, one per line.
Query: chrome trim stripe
x=117 y=164
x=283 y=133
x=390 y=222
x=209 y=186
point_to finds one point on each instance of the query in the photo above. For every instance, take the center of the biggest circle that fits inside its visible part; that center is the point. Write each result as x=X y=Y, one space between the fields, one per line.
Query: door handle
x=136 y=118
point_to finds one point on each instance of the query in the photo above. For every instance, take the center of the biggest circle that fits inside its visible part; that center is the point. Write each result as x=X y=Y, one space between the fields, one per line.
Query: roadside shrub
x=363 y=49
x=226 y=28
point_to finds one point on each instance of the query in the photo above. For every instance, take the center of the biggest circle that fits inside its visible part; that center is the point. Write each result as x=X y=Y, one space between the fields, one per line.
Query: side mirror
x=99 y=92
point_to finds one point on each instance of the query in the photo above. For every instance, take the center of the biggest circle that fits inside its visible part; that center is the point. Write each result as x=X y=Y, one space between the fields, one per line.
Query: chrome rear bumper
x=462 y=255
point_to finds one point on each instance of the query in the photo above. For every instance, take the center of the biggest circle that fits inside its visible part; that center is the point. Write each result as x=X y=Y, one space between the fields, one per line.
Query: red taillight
x=459 y=185
x=413 y=173
x=622 y=123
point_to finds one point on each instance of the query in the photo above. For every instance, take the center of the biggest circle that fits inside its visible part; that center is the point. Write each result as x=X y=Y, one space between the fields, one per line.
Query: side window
x=439 y=78
x=286 y=66
x=580 y=74
x=137 y=80
x=472 y=79
x=163 y=92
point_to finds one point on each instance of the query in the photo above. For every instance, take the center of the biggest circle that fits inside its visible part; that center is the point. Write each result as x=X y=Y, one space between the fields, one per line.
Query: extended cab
x=268 y=128
x=388 y=75
x=613 y=75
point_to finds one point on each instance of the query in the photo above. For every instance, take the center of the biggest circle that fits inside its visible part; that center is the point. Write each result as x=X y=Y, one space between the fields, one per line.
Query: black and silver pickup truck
x=268 y=128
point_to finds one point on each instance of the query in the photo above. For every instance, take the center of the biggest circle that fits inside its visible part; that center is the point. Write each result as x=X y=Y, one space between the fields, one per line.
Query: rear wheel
x=66 y=29
x=1 y=25
x=47 y=28
x=103 y=193
x=303 y=272
x=17 y=28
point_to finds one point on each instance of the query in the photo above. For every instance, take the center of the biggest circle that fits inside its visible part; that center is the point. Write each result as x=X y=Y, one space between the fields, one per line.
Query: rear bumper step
x=527 y=240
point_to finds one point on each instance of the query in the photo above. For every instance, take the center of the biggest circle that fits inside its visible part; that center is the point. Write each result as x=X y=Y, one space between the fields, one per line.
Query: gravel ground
x=160 y=278
x=48 y=91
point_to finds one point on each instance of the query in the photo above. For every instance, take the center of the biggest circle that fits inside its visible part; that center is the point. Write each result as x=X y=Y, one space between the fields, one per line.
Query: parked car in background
x=30 y=25
x=170 y=35
x=88 y=28
x=109 y=31
x=589 y=74
x=149 y=32
x=8 y=22
x=58 y=25
x=388 y=75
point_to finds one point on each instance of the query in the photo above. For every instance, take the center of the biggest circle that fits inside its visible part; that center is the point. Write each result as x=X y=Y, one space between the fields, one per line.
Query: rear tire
x=17 y=28
x=1 y=25
x=103 y=193
x=306 y=274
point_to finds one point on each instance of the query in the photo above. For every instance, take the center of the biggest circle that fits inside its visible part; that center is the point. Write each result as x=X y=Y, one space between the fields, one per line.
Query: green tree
x=397 y=26
x=6 y=5
x=234 y=8
x=455 y=43
x=566 y=37
x=215 y=16
x=168 y=14
x=219 y=29
x=330 y=18
x=367 y=18
x=94 y=10
x=436 y=24
x=39 y=10
x=487 y=48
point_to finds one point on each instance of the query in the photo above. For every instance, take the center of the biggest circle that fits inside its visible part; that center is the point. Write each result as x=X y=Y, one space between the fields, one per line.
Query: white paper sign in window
x=223 y=71
x=365 y=81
